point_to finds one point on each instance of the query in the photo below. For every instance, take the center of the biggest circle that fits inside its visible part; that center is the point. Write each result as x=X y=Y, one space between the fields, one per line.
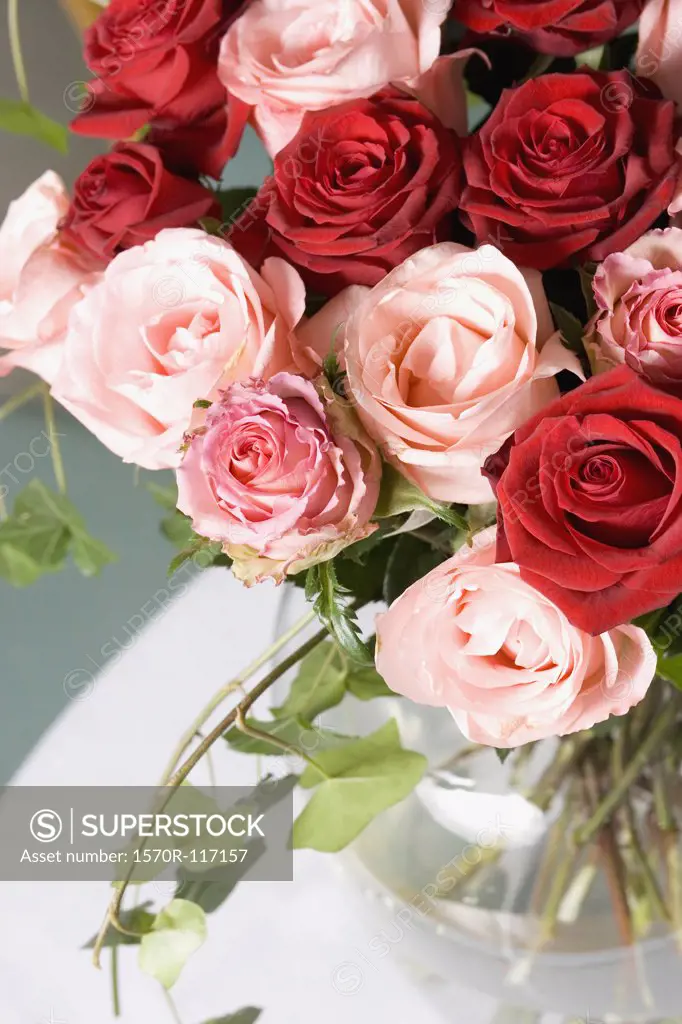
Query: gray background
x=56 y=629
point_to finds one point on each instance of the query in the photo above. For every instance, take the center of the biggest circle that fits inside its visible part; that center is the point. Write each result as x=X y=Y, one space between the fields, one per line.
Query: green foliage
x=586 y=274
x=324 y=678
x=670 y=669
x=329 y=597
x=291 y=731
x=398 y=495
x=138 y=919
x=43 y=529
x=570 y=327
x=410 y=559
x=249 y=1015
x=176 y=934
x=21 y=118
x=233 y=202
x=353 y=783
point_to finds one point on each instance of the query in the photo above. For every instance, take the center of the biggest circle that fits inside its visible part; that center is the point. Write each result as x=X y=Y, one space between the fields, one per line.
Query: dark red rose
x=560 y=27
x=360 y=187
x=202 y=146
x=570 y=168
x=126 y=196
x=590 y=500
x=154 y=60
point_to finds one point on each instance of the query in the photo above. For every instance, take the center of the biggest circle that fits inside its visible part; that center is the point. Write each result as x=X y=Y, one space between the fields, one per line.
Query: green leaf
x=38 y=535
x=503 y=753
x=249 y=1015
x=138 y=919
x=341 y=621
x=367 y=684
x=18 y=568
x=586 y=274
x=90 y=555
x=177 y=933
x=361 y=779
x=319 y=685
x=671 y=669
x=399 y=495
x=205 y=551
x=234 y=201
x=288 y=730
x=21 y=118
x=570 y=327
x=410 y=560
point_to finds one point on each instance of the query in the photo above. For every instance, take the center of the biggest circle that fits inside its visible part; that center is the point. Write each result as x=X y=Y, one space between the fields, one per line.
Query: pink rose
x=639 y=318
x=281 y=474
x=41 y=279
x=659 y=47
x=171 y=321
x=446 y=356
x=509 y=666
x=283 y=57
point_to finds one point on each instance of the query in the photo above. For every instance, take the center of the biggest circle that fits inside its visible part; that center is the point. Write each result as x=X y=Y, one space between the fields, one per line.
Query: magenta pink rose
x=281 y=474
x=283 y=57
x=506 y=662
x=41 y=278
x=639 y=317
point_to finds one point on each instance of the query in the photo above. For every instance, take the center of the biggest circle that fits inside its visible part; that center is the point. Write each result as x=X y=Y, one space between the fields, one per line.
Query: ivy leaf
x=176 y=934
x=319 y=685
x=21 y=118
x=367 y=684
x=360 y=779
x=37 y=537
x=323 y=586
x=398 y=495
x=138 y=919
x=249 y=1015
x=288 y=730
x=570 y=328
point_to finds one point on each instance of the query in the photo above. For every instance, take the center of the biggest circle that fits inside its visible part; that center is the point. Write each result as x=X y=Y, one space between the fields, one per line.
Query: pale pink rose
x=280 y=473
x=471 y=636
x=639 y=318
x=283 y=57
x=446 y=356
x=659 y=47
x=170 y=322
x=40 y=278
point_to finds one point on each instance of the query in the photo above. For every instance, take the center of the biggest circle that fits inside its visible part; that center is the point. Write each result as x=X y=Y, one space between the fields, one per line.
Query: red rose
x=570 y=167
x=360 y=187
x=126 y=196
x=589 y=500
x=154 y=59
x=561 y=27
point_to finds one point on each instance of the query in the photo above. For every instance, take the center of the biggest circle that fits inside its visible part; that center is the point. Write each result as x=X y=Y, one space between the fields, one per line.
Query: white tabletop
x=295 y=949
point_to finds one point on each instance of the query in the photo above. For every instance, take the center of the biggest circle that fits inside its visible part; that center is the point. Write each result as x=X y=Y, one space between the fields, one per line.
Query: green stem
x=619 y=790
x=55 y=450
x=650 y=881
x=275 y=741
x=172 y=1007
x=112 y=918
x=115 y=994
x=225 y=691
x=15 y=47
x=16 y=401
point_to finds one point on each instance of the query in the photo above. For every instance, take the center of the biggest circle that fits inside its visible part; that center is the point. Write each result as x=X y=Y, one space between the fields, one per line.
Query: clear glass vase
x=463 y=915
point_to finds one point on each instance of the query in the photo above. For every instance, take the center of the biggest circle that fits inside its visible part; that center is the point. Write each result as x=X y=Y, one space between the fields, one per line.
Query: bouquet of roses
x=434 y=360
